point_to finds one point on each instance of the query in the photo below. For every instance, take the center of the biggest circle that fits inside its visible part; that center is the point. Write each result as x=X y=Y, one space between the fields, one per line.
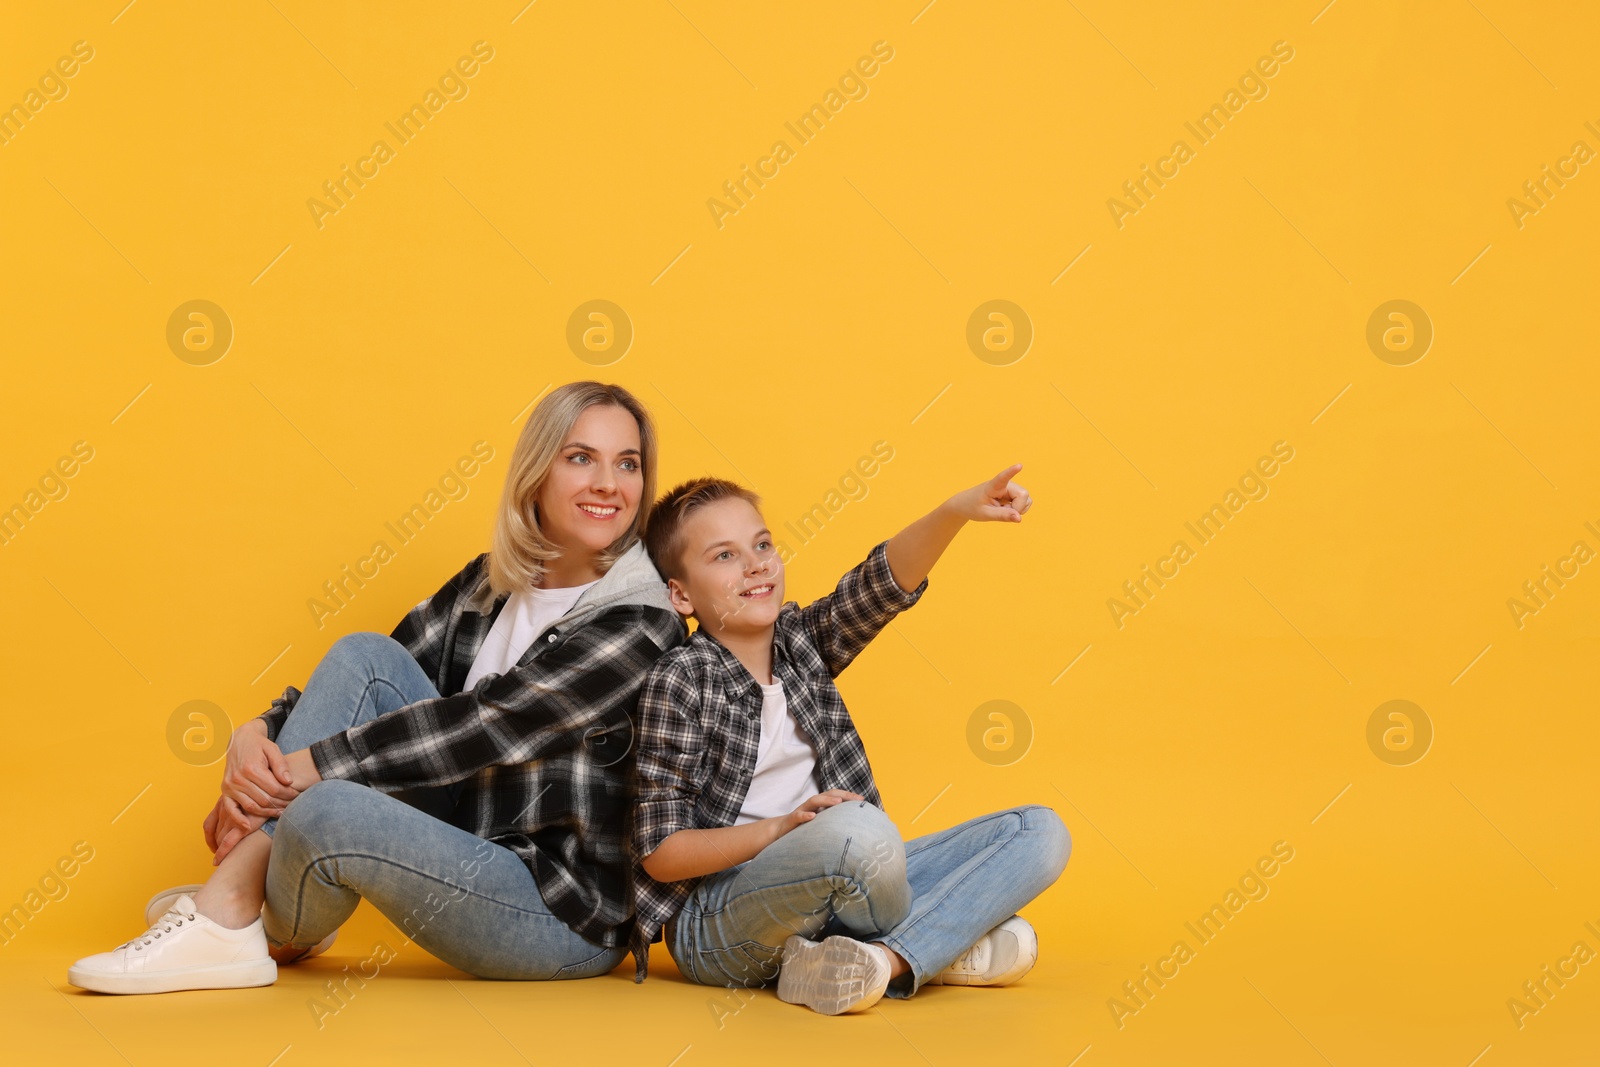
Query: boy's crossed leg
x=845 y=869
x=848 y=873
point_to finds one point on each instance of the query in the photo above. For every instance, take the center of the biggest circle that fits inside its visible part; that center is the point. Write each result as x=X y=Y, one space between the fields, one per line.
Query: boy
x=759 y=839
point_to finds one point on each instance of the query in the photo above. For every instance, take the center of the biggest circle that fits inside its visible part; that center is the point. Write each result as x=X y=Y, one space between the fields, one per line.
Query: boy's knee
x=869 y=851
x=1054 y=838
x=859 y=828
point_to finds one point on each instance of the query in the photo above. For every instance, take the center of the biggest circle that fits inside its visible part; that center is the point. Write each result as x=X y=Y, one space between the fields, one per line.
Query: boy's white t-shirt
x=786 y=762
x=526 y=614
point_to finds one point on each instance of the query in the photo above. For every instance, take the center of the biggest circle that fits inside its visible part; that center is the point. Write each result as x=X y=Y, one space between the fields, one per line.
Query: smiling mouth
x=602 y=512
x=758 y=593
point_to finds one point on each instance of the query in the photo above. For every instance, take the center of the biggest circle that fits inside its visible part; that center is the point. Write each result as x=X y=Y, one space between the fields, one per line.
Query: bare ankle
x=897 y=963
x=227 y=906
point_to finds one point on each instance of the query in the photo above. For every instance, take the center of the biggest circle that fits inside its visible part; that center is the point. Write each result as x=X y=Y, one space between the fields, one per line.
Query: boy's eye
x=763 y=543
x=724 y=552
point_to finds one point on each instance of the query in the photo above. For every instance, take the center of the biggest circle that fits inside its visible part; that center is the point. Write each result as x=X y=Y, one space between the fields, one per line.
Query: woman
x=466 y=774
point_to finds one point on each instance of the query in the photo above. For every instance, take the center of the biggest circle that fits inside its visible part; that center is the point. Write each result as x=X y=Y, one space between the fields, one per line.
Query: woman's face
x=591 y=494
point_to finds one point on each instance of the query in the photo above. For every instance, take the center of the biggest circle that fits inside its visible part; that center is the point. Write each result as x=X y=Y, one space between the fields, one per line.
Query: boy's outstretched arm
x=913 y=551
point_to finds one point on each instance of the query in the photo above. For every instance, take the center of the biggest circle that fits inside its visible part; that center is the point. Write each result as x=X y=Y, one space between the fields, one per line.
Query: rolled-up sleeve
x=670 y=749
x=865 y=600
x=275 y=716
x=589 y=680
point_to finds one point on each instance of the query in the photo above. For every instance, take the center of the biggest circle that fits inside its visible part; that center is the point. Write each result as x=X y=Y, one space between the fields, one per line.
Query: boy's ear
x=679 y=597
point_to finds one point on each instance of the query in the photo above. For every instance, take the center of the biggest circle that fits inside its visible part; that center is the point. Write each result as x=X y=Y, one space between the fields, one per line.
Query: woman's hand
x=226 y=826
x=997 y=500
x=822 y=801
x=256 y=776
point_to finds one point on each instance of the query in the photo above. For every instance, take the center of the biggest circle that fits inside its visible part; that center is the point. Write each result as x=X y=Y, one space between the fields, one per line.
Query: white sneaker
x=182 y=950
x=834 y=976
x=1000 y=957
x=163 y=901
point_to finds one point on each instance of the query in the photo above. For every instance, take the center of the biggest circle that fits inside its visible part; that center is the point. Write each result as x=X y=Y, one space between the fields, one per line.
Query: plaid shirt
x=540 y=749
x=700 y=725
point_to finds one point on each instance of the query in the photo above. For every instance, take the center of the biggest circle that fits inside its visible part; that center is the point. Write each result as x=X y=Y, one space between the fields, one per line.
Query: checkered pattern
x=541 y=748
x=700 y=725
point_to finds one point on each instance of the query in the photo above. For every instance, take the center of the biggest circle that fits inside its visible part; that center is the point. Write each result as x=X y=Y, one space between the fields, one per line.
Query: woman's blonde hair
x=519 y=548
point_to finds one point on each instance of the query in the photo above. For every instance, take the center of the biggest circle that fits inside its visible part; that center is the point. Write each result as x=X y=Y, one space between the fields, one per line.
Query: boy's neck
x=754 y=650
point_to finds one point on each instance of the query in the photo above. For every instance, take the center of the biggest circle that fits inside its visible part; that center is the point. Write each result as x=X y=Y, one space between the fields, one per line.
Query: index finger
x=999 y=480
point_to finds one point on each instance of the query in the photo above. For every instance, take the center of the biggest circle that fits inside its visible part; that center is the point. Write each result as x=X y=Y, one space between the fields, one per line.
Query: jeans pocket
x=746 y=965
x=602 y=962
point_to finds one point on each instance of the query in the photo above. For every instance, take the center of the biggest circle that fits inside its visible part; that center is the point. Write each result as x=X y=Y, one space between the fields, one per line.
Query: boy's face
x=733 y=578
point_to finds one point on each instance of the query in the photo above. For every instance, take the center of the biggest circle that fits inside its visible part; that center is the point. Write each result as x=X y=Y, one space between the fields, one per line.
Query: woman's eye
x=579 y=455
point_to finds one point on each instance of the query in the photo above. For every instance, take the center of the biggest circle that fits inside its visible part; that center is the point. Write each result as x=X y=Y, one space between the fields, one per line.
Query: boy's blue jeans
x=848 y=872
x=472 y=903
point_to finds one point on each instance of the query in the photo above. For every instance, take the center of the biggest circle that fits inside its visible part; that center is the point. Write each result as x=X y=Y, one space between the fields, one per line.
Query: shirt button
x=551 y=637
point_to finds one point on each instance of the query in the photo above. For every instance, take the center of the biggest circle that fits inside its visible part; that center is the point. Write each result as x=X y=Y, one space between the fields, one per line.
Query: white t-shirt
x=786 y=762
x=526 y=615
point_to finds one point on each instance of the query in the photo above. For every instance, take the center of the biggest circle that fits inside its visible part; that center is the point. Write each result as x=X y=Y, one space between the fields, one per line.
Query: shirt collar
x=740 y=683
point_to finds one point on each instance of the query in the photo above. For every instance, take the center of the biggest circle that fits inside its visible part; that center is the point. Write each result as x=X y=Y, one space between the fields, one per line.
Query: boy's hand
x=808 y=809
x=694 y=853
x=997 y=500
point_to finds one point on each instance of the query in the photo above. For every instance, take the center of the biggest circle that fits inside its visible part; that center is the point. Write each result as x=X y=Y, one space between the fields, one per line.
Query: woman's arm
x=591 y=677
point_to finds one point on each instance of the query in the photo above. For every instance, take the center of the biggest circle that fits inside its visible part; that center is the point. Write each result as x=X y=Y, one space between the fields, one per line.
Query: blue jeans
x=848 y=872
x=471 y=903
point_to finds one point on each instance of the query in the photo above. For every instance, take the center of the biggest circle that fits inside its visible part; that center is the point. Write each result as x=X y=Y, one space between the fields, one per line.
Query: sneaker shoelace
x=975 y=959
x=165 y=925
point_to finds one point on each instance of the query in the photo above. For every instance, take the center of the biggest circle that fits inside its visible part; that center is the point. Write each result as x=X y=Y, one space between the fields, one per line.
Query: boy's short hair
x=663 y=532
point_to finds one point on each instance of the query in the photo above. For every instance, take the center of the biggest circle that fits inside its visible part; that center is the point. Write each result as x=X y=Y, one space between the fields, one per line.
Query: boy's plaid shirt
x=699 y=725
x=541 y=748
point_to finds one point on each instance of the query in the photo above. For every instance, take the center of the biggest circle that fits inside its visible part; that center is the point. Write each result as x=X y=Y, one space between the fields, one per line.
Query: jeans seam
x=366 y=691
x=585 y=963
x=779 y=885
x=987 y=854
x=975 y=822
x=300 y=890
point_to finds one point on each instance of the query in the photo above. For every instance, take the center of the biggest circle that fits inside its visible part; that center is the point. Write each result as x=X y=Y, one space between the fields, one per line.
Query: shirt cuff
x=659 y=827
x=336 y=757
x=880 y=580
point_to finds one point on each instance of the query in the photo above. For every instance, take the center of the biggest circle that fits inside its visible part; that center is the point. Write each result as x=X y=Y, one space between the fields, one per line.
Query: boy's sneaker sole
x=835 y=976
x=242 y=975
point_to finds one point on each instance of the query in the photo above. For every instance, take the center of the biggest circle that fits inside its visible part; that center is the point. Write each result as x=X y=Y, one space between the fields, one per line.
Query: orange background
x=831 y=312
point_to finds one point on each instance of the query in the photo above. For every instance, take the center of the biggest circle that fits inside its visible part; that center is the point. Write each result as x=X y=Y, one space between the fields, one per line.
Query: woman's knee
x=367 y=646
x=323 y=805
